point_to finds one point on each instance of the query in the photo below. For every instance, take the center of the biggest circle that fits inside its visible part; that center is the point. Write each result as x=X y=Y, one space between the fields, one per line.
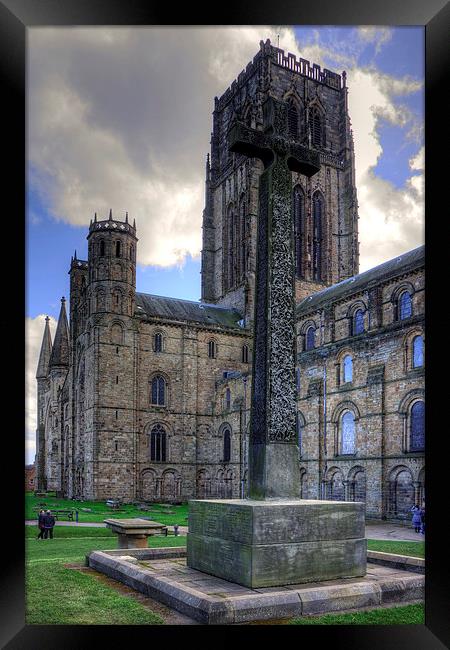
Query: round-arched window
x=226 y=445
x=310 y=338
x=404 y=305
x=158 y=443
x=158 y=342
x=348 y=433
x=417 y=349
x=417 y=441
x=358 y=322
x=347 y=368
x=158 y=391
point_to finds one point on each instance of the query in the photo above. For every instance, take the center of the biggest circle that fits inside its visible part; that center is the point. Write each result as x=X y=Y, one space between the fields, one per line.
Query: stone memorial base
x=162 y=574
x=277 y=542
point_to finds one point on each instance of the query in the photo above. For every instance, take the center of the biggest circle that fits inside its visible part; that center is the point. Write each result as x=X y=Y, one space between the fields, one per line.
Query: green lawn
x=60 y=595
x=404 y=615
x=100 y=510
x=56 y=594
x=416 y=549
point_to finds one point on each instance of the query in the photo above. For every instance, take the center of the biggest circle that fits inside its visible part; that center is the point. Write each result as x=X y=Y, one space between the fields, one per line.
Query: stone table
x=133 y=533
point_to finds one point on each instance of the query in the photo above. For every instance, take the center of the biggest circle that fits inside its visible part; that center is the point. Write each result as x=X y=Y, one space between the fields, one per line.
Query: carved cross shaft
x=273 y=451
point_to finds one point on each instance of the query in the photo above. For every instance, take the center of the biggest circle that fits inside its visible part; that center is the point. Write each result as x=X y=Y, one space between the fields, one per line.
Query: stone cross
x=273 y=450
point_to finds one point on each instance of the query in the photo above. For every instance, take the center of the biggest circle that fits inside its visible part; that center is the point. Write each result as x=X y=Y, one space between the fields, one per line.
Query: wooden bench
x=68 y=513
x=57 y=513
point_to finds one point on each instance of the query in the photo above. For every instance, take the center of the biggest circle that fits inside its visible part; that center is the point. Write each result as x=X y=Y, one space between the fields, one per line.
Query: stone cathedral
x=147 y=398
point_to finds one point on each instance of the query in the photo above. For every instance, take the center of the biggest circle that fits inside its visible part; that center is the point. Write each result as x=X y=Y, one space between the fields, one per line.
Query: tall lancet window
x=318 y=209
x=229 y=266
x=242 y=241
x=299 y=228
x=293 y=121
x=158 y=444
x=316 y=124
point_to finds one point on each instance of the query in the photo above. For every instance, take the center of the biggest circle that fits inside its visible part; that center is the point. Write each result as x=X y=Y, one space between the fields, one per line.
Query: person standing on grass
x=416 y=518
x=49 y=523
x=41 y=524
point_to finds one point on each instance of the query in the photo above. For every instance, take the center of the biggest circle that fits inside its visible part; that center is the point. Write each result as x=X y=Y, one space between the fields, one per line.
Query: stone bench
x=133 y=533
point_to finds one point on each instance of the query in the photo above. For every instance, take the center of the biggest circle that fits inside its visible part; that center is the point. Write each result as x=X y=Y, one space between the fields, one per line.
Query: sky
x=121 y=118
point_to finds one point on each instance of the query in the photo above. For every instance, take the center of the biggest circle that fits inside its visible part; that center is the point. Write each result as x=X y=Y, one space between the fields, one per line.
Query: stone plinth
x=133 y=533
x=277 y=542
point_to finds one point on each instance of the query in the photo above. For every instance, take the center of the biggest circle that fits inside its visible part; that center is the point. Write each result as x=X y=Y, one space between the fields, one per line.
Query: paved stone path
x=374 y=530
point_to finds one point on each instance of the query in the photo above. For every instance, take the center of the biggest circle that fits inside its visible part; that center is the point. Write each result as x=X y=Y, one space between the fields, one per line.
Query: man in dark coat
x=49 y=522
x=41 y=524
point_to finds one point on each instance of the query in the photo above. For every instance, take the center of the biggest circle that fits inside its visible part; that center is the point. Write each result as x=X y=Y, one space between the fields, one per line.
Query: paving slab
x=212 y=600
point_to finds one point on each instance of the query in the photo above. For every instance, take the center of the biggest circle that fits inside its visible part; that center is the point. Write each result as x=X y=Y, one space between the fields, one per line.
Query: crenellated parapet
x=277 y=56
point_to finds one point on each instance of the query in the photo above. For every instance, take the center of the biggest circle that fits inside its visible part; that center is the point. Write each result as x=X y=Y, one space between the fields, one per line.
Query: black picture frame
x=15 y=17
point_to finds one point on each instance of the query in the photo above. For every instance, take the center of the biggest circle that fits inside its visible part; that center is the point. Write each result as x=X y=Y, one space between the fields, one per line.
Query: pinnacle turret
x=46 y=351
x=60 y=352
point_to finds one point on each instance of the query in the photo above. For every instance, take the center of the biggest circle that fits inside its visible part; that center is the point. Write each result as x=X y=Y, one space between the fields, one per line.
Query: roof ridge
x=192 y=302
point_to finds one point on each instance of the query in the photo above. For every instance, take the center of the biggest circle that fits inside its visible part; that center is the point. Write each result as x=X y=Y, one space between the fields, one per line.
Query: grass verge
x=404 y=615
x=416 y=549
x=58 y=595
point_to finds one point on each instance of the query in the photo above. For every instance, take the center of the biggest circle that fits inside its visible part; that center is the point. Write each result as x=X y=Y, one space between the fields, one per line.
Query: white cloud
x=390 y=218
x=377 y=35
x=34 y=332
x=121 y=118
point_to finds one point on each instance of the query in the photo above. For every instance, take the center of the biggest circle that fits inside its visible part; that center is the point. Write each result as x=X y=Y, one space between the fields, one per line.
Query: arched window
x=226 y=445
x=292 y=120
x=347 y=433
x=310 y=337
x=118 y=251
x=347 y=368
x=245 y=354
x=243 y=241
x=417 y=426
x=404 y=305
x=158 y=392
x=212 y=349
x=299 y=227
x=317 y=236
x=229 y=248
x=131 y=252
x=228 y=399
x=158 y=444
x=358 y=322
x=316 y=127
x=158 y=342
x=417 y=352
x=102 y=248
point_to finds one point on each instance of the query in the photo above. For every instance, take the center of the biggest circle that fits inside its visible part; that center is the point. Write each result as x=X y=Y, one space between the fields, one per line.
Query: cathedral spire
x=46 y=350
x=60 y=351
x=110 y=214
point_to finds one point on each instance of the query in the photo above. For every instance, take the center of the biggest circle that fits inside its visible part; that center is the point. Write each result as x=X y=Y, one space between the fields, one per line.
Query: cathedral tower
x=112 y=266
x=324 y=207
x=105 y=359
